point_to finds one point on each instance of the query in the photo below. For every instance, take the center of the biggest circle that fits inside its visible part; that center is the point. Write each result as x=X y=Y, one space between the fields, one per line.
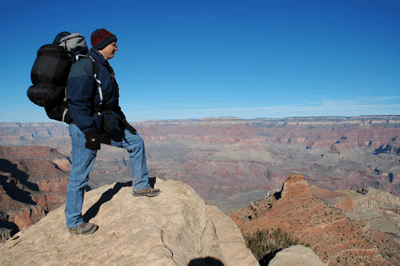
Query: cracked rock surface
x=174 y=228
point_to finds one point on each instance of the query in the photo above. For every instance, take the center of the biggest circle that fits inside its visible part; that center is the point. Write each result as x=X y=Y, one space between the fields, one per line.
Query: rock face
x=33 y=181
x=295 y=187
x=296 y=255
x=383 y=198
x=356 y=206
x=376 y=208
x=174 y=228
x=225 y=158
x=326 y=229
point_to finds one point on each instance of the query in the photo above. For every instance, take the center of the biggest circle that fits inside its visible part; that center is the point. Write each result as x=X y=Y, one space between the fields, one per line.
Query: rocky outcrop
x=18 y=209
x=230 y=157
x=295 y=187
x=356 y=206
x=296 y=255
x=27 y=216
x=230 y=239
x=36 y=166
x=325 y=228
x=376 y=208
x=227 y=160
x=33 y=181
x=384 y=199
x=48 y=200
x=174 y=228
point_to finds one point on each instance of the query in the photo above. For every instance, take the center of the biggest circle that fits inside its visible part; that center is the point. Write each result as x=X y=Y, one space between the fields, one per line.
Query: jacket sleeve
x=81 y=93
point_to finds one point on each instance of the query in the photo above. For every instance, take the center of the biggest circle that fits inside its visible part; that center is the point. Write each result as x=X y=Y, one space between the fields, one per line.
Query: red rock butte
x=294 y=187
x=336 y=239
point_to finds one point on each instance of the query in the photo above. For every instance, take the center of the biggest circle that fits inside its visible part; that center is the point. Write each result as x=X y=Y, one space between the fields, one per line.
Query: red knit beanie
x=101 y=38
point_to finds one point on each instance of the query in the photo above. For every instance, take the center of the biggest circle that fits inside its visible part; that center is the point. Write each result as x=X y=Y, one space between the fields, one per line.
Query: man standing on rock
x=97 y=118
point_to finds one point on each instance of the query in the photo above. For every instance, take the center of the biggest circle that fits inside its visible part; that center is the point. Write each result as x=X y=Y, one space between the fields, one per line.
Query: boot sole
x=153 y=194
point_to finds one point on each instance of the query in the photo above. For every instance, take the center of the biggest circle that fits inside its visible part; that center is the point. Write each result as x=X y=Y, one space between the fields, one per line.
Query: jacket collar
x=100 y=58
x=97 y=56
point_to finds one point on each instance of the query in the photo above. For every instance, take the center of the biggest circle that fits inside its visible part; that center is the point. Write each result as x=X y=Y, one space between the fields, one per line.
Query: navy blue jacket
x=83 y=93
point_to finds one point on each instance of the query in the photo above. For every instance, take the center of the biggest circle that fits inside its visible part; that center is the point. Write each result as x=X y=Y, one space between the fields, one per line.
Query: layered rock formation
x=376 y=208
x=33 y=181
x=224 y=159
x=295 y=187
x=330 y=233
x=355 y=205
x=384 y=199
x=174 y=228
x=22 y=134
x=230 y=162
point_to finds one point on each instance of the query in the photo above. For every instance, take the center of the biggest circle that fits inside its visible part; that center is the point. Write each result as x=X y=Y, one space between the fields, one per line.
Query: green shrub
x=264 y=244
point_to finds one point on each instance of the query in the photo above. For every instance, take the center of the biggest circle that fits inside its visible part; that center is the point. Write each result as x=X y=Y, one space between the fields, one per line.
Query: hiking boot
x=149 y=192
x=83 y=229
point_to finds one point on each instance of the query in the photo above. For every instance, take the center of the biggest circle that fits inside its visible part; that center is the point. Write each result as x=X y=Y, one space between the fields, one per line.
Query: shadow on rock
x=106 y=196
x=9 y=167
x=7 y=229
x=264 y=261
x=208 y=261
x=16 y=186
x=152 y=181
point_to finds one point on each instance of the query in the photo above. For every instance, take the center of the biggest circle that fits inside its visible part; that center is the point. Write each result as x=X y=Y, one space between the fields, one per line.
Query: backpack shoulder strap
x=95 y=65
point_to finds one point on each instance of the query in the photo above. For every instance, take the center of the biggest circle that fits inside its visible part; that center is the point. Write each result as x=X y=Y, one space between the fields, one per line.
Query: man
x=91 y=126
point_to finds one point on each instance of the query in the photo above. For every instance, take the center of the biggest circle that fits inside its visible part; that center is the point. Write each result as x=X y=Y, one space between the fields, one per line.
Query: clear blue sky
x=198 y=59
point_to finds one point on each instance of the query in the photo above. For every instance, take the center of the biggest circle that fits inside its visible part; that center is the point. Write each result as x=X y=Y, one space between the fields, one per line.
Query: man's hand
x=93 y=139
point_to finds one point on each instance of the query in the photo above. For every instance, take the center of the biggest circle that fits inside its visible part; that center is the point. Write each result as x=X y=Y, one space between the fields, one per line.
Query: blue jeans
x=83 y=160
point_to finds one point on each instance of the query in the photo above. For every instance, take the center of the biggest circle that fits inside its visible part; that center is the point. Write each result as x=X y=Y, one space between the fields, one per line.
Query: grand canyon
x=230 y=163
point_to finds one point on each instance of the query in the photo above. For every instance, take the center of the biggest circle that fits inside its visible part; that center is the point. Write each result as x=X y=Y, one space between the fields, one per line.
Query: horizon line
x=229 y=118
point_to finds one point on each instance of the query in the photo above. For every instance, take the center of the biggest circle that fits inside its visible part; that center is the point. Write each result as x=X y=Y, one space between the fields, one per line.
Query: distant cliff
x=231 y=162
x=33 y=181
x=24 y=133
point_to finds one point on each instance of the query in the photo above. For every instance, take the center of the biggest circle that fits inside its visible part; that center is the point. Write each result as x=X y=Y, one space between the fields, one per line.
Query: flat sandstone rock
x=174 y=228
x=296 y=255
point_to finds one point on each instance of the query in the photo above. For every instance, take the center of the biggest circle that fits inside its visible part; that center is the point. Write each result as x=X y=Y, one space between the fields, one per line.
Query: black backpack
x=50 y=71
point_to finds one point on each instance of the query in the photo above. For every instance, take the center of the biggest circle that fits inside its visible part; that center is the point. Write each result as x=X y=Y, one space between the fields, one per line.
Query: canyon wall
x=33 y=181
x=230 y=162
x=342 y=227
x=224 y=157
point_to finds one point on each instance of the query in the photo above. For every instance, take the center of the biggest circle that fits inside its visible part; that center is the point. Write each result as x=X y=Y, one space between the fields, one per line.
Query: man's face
x=109 y=51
